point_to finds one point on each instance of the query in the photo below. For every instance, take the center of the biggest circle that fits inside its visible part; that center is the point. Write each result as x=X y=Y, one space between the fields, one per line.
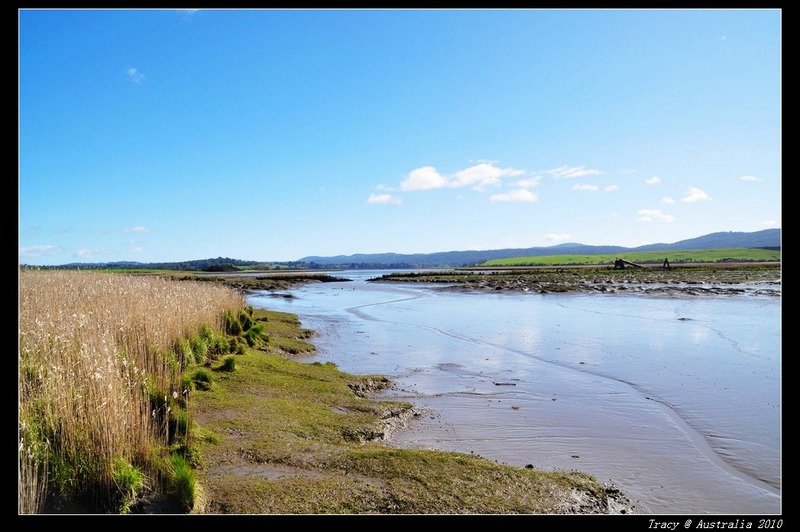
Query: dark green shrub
x=185 y=353
x=206 y=332
x=232 y=324
x=200 y=348
x=129 y=481
x=202 y=379
x=217 y=346
x=229 y=363
x=246 y=320
x=255 y=335
x=187 y=383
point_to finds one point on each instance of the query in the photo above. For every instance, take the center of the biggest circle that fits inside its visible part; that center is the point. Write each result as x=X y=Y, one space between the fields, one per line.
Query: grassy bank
x=646 y=257
x=143 y=394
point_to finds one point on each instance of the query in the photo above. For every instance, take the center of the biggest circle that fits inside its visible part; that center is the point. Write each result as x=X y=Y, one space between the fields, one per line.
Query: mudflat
x=716 y=278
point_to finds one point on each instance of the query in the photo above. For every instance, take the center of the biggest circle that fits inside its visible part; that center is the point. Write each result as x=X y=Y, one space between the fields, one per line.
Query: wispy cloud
x=611 y=188
x=482 y=175
x=654 y=215
x=134 y=76
x=85 y=253
x=749 y=178
x=770 y=223
x=479 y=177
x=138 y=229
x=187 y=13
x=385 y=199
x=516 y=196
x=529 y=183
x=655 y=180
x=38 y=251
x=667 y=200
x=694 y=195
x=570 y=172
x=585 y=187
x=557 y=237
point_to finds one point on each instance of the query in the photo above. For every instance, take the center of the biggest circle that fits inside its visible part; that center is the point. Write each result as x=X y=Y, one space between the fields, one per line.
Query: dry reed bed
x=93 y=349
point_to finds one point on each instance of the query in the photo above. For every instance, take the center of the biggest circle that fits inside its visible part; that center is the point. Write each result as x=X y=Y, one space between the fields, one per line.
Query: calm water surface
x=675 y=400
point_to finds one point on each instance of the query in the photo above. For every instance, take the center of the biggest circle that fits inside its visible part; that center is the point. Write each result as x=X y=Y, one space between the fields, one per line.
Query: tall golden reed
x=93 y=347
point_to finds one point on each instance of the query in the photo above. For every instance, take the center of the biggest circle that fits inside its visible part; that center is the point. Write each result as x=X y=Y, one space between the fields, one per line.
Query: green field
x=646 y=257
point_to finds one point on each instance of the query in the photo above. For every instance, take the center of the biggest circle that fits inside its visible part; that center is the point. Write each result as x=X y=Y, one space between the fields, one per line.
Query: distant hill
x=219 y=264
x=768 y=238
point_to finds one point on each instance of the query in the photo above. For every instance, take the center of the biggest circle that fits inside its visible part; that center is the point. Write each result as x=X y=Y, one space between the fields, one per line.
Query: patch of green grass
x=183 y=481
x=645 y=257
x=293 y=346
x=228 y=363
x=130 y=481
x=201 y=378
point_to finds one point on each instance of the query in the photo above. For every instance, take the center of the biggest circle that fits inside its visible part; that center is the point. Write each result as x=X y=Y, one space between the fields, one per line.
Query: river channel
x=675 y=400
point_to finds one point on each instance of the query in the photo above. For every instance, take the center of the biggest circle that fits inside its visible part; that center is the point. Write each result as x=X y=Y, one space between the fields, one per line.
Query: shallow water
x=675 y=400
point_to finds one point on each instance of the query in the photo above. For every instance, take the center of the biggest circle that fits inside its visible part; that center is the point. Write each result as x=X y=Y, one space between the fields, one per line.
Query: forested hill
x=768 y=238
x=219 y=264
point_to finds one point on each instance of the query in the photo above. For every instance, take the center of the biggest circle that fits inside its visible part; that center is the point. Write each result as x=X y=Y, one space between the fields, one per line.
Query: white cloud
x=557 y=237
x=655 y=180
x=138 y=229
x=611 y=188
x=695 y=195
x=654 y=215
x=667 y=200
x=529 y=183
x=134 y=75
x=569 y=172
x=38 y=251
x=478 y=176
x=482 y=175
x=425 y=178
x=377 y=199
x=749 y=178
x=516 y=195
x=770 y=223
x=585 y=187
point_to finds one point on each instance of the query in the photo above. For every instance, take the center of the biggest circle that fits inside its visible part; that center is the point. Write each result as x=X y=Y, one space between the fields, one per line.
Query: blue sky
x=169 y=135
